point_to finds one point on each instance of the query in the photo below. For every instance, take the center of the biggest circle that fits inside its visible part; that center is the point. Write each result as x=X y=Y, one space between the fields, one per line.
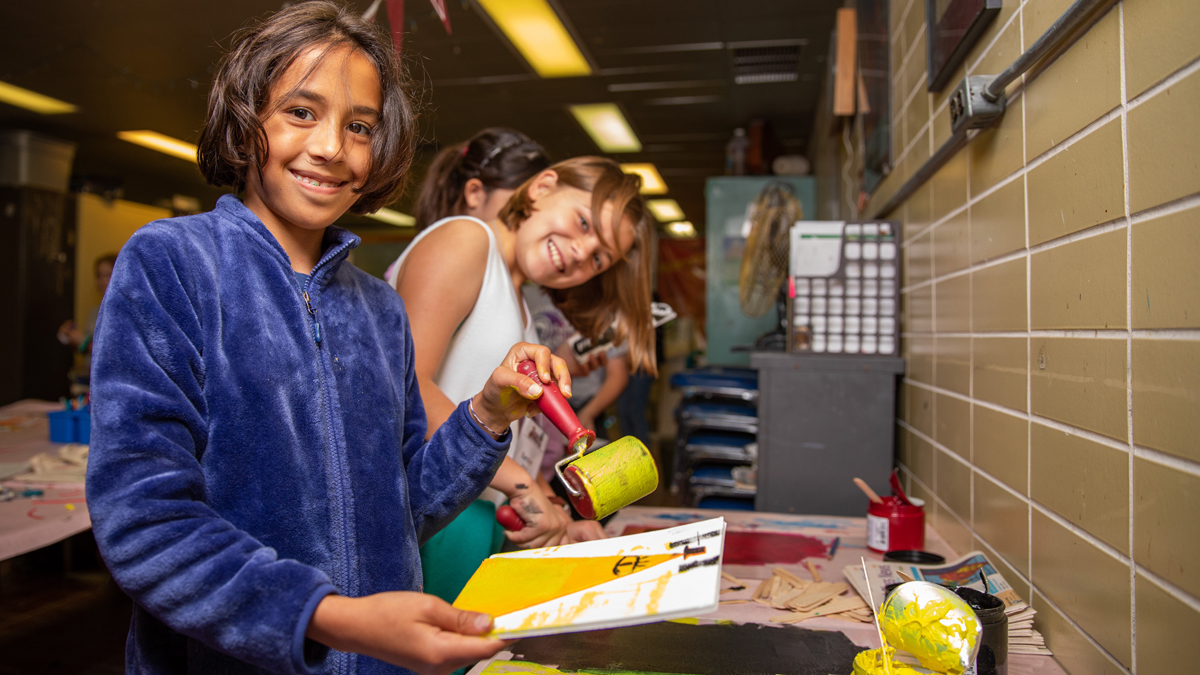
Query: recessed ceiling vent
x=759 y=64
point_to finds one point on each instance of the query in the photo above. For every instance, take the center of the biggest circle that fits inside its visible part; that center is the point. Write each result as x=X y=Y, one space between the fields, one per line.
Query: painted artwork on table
x=607 y=583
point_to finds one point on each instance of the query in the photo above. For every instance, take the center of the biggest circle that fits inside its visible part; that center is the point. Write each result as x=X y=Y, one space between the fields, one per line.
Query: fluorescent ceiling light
x=607 y=127
x=31 y=100
x=665 y=210
x=161 y=143
x=393 y=218
x=652 y=182
x=537 y=32
x=682 y=229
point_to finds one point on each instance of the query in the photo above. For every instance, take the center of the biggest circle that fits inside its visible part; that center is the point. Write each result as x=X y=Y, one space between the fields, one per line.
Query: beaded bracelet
x=471 y=409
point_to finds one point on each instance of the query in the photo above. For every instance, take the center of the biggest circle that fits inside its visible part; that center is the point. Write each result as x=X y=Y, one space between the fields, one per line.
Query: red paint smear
x=761 y=548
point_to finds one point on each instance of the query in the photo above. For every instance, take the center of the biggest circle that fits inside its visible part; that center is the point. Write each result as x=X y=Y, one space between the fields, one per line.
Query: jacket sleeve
x=171 y=552
x=450 y=470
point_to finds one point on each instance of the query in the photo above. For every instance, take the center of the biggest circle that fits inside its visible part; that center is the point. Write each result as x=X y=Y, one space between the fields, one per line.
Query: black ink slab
x=715 y=649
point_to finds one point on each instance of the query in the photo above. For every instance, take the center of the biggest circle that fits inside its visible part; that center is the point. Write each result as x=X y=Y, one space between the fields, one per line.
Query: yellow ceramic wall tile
x=998 y=300
x=1166 y=407
x=953 y=530
x=916 y=116
x=998 y=222
x=1160 y=38
x=1079 y=87
x=883 y=192
x=1079 y=187
x=1166 y=630
x=1000 y=53
x=1007 y=571
x=1000 y=367
x=997 y=151
x=914 y=29
x=899 y=130
x=949 y=186
x=1002 y=519
x=1164 y=146
x=1083 y=481
x=954 y=364
x=914 y=70
x=918 y=212
x=1081 y=284
x=1071 y=648
x=920 y=359
x=1081 y=382
x=941 y=127
x=902 y=446
x=1098 y=600
x=920 y=260
x=953 y=304
x=1038 y=16
x=1166 y=509
x=918 y=310
x=954 y=484
x=951 y=245
x=896 y=16
x=1165 y=251
x=920 y=409
x=953 y=421
x=921 y=453
x=1001 y=446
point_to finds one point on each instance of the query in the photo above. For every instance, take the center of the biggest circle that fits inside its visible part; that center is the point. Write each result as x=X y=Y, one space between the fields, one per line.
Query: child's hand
x=509 y=395
x=413 y=630
x=545 y=522
x=584 y=530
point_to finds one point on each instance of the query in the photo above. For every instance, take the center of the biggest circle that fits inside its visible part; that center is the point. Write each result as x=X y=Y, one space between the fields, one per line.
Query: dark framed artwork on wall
x=952 y=27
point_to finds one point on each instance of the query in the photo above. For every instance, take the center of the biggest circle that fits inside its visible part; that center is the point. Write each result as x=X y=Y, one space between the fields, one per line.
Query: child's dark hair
x=622 y=292
x=500 y=158
x=233 y=140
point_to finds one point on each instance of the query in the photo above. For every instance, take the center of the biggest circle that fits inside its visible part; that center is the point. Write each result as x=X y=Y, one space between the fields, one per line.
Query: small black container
x=913 y=557
x=993 y=647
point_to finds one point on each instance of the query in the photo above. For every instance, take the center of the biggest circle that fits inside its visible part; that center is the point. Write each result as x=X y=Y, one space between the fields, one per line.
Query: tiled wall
x=1051 y=410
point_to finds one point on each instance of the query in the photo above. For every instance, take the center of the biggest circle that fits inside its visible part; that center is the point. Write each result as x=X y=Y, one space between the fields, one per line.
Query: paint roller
x=599 y=482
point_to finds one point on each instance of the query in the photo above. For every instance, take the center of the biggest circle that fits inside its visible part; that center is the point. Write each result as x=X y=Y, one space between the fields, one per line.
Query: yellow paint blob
x=871 y=662
x=504 y=585
x=933 y=624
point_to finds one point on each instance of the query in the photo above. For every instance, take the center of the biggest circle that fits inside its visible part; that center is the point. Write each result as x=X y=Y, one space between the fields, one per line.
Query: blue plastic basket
x=62 y=426
x=83 y=425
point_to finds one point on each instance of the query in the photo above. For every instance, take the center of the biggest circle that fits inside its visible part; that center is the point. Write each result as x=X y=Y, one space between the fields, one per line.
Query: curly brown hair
x=233 y=139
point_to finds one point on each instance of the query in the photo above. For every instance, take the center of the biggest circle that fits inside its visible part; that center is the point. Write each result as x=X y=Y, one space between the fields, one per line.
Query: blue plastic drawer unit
x=694 y=415
x=716 y=446
x=718 y=382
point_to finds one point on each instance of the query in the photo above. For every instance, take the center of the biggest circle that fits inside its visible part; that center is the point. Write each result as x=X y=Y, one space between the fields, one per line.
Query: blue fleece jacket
x=254 y=450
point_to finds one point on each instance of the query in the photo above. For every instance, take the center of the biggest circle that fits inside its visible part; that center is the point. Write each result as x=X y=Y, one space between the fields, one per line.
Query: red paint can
x=895 y=526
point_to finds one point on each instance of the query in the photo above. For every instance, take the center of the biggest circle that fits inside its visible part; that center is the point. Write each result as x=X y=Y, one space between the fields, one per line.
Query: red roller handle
x=508 y=518
x=556 y=409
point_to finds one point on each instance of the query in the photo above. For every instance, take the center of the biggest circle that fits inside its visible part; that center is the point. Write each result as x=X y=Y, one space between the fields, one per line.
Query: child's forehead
x=331 y=67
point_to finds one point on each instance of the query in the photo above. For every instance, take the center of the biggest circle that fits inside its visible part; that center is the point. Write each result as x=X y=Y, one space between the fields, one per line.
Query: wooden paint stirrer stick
x=862 y=485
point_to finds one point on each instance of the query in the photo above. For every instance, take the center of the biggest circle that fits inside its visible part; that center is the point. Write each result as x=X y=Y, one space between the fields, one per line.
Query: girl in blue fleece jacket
x=260 y=480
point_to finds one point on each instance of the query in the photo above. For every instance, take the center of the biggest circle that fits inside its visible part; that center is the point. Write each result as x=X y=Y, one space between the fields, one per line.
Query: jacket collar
x=335 y=245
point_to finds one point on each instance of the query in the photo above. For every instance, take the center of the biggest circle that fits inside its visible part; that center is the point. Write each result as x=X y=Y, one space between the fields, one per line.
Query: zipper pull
x=316 y=323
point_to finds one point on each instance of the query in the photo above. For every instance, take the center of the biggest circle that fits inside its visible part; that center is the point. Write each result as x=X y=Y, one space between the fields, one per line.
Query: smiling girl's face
x=560 y=245
x=323 y=109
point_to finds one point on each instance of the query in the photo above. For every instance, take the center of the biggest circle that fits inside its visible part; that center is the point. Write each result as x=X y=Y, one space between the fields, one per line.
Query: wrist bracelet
x=471 y=409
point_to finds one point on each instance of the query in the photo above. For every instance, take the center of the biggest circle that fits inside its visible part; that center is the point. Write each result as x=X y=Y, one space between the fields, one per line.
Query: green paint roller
x=599 y=482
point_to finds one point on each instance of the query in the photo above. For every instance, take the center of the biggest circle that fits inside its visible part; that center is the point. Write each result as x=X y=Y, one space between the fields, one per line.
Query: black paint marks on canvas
x=665 y=647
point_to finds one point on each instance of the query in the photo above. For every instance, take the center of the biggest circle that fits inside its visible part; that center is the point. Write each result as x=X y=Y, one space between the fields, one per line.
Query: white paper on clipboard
x=816 y=247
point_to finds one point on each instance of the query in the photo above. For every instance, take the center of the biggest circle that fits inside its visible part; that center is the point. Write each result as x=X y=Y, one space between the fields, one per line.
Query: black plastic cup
x=993 y=647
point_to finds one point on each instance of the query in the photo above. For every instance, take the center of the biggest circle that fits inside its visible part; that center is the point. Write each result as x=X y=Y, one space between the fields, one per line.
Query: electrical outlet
x=970 y=109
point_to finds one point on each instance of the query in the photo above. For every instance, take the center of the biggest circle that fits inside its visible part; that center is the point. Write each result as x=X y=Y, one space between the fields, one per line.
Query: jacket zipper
x=313 y=313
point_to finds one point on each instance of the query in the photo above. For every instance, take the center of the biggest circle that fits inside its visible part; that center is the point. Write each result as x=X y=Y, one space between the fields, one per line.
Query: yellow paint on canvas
x=505 y=585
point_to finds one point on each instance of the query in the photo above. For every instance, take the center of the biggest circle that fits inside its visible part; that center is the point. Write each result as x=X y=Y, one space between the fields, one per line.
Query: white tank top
x=494 y=324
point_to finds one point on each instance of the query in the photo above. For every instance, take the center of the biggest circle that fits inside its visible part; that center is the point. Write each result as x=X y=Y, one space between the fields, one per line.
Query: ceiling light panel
x=392 y=217
x=682 y=230
x=160 y=142
x=31 y=100
x=665 y=210
x=652 y=181
x=537 y=32
x=607 y=127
